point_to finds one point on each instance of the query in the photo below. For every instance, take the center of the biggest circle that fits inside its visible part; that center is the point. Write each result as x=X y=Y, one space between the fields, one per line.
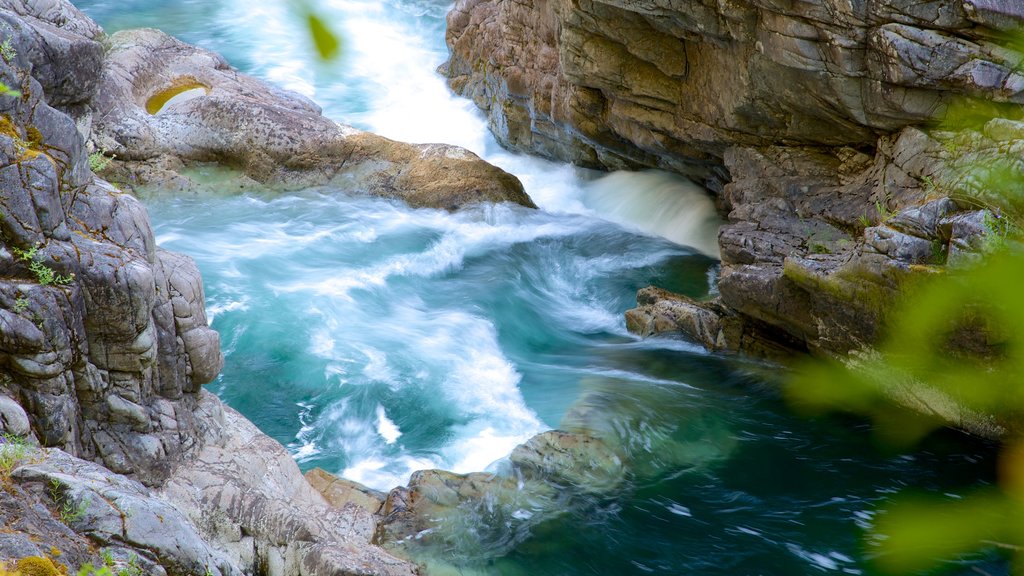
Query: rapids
x=374 y=340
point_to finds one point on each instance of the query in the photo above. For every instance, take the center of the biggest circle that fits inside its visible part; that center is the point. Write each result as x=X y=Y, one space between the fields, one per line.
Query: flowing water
x=374 y=340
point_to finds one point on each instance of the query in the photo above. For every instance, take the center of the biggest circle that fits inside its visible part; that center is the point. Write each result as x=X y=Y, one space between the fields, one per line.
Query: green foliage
x=13 y=451
x=90 y=570
x=954 y=352
x=99 y=160
x=7 y=51
x=43 y=273
x=6 y=90
x=883 y=211
x=113 y=567
x=67 y=511
x=21 y=304
x=325 y=40
x=327 y=44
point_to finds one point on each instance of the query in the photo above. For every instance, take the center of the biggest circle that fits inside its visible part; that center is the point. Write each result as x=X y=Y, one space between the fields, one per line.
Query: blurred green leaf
x=6 y=90
x=327 y=43
x=918 y=533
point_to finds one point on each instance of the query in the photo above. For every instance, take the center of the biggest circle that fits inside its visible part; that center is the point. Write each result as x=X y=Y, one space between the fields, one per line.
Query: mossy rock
x=37 y=566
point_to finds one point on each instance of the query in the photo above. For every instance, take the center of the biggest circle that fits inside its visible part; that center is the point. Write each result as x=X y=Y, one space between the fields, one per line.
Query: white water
x=386 y=82
x=396 y=61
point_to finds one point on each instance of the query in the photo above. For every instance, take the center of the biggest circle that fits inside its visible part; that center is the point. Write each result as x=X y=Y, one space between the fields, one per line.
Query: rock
x=246 y=494
x=61 y=45
x=674 y=85
x=904 y=247
x=579 y=461
x=109 y=508
x=661 y=312
x=90 y=348
x=340 y=492
x=270 y=138
x=13 y=419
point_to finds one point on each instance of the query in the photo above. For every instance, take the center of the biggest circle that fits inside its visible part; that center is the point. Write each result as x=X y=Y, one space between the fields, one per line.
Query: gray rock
x=673 y=85
x=904 y=247
x=246 y=494
x=268 y=137
x=109 y=508
x=13 y=419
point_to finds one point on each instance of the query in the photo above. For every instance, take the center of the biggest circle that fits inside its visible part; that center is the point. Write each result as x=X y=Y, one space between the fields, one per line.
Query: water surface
x=373 y=340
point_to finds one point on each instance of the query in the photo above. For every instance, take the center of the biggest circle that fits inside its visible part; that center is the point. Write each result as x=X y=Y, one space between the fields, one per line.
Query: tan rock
x=340 y=492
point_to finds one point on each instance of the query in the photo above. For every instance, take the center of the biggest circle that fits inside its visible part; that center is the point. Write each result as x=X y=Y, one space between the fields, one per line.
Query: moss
x=37 y=566
x=33 y=136
x=157 y=101
x=7 y=127
x=851 y=285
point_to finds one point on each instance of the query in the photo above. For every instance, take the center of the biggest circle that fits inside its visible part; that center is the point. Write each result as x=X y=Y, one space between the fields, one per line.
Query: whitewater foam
x=658 y=203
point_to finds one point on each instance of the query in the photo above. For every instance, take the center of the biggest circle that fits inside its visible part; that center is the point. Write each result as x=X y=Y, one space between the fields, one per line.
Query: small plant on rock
x=43 y=273
x=7 y=51
x=99 y=160
x=68 y=511
x=13 y=451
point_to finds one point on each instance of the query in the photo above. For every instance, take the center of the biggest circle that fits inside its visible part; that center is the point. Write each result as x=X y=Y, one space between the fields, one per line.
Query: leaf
x=918 y=533
x=327 y=43
x=6 y=90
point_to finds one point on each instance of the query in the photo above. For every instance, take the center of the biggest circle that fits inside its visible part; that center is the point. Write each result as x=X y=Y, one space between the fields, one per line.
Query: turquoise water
x=374 y=340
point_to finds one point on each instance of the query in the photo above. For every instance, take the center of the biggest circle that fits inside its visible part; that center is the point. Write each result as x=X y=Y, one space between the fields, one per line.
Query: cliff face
x=632 y=83
x=105 y=339
x=807 y=120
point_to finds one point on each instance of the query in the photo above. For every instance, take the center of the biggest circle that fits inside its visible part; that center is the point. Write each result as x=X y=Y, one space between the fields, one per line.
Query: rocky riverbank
x=105 y=338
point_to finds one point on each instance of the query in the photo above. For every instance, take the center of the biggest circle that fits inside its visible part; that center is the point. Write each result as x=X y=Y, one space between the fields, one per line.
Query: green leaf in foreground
x=327 y=43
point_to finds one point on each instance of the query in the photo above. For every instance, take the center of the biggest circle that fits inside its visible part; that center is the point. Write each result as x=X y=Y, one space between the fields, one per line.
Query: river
x=374 y=340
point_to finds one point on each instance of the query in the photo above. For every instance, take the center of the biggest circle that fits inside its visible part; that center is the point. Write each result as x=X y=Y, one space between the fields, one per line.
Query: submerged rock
x=617 y=435
x=165 y=106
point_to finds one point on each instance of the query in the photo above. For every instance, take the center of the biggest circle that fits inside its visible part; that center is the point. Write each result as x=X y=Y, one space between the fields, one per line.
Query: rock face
x=104 y=338
x=808 y=121
x=624 y=83
x=165 y=107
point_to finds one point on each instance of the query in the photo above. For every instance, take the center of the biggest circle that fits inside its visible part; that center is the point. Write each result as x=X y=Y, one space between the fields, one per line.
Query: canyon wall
x=812 y=123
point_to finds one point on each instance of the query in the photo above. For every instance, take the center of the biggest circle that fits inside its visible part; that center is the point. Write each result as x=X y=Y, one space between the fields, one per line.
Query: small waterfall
x=658 y=203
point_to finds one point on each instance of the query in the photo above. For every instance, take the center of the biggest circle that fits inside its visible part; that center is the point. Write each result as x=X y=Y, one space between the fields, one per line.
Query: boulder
x=111 y=509
x=340 y=492
x=165 y=107
x=245 y=493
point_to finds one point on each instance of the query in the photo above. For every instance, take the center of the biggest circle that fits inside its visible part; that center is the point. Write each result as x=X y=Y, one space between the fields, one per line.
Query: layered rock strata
x=622 y=83
x=810 y=122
